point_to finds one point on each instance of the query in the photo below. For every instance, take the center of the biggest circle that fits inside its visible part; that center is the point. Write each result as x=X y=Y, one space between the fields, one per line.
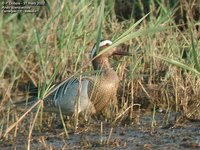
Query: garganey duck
x=86 y=94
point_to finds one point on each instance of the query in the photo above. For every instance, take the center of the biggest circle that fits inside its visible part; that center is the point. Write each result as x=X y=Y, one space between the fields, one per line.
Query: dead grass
x=32 y=47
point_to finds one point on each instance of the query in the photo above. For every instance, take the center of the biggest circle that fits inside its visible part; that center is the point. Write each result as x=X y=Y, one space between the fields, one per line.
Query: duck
x=87 y=94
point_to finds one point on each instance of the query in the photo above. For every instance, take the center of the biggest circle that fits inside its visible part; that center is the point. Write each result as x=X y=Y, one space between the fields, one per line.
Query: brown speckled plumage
x=103 y=88
x=90 y=93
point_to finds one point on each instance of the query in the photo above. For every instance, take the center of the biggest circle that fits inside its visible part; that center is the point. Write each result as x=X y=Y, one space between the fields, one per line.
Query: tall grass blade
x=195 y=53
x=132 y=27
x=179 y=64
x=141 y=32
x=100 y=24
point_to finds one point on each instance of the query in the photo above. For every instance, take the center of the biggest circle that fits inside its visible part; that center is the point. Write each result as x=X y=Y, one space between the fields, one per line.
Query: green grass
x=56 y=44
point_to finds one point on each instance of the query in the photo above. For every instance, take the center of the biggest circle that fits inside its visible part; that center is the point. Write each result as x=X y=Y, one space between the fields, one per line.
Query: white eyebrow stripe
x=103 y=43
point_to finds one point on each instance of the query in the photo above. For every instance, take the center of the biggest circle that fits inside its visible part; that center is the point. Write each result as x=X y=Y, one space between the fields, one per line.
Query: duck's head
x=111 y=52
x=102 y=60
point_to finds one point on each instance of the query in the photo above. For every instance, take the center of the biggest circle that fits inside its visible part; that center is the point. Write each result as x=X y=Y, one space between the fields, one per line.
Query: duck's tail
x=25 y=104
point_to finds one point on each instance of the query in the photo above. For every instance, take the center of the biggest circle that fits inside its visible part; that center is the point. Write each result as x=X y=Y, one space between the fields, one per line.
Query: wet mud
x=149 y=133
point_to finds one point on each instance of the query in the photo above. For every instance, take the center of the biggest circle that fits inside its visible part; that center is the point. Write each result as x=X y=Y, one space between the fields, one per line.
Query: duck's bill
x=121 y=51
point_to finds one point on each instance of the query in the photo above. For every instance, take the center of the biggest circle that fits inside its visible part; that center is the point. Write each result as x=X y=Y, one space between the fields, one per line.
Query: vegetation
x=43 y=48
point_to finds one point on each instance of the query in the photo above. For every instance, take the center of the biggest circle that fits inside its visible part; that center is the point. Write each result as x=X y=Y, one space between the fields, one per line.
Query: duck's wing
x=56 y=91
x=71 y=96
x=65 y=95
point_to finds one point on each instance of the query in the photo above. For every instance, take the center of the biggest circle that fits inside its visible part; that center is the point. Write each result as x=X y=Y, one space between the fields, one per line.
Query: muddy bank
x=149 y=133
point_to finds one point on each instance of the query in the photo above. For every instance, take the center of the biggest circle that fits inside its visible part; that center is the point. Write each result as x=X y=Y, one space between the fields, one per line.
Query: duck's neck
x=101 y=64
